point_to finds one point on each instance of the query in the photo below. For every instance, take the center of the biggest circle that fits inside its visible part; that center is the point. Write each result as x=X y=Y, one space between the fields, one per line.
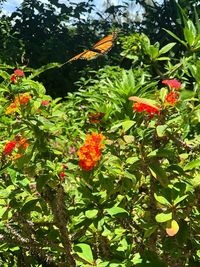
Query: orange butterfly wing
x=105 y=44
x=87 y=54
x=100 y=48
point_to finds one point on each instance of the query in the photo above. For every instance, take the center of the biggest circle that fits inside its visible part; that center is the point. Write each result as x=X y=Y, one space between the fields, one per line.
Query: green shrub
x=110 y=175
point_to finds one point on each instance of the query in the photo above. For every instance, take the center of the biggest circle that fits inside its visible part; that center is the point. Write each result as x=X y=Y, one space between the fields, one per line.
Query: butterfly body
x=100 y=48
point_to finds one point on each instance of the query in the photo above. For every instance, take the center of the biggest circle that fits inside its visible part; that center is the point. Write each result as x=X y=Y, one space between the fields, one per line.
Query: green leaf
x=179 y=199
x=158 y=173
x=162 y=93
x=131 y=177
x=120 y=231
x=163 y=217
x=166 y=48
x=4 y=193
x=163 y=58
x=29 y=205
x=195 y=181
x=84 y=252
x=162 y=200
x=4 y=66
x=116 y=210
x=41 y=181
x=43 y=69
x=165 y=153
x=117 y=265
x=161 y=130
x=103 y=264
x=129 y=139
x=176 y=37
x=2 y=211
x=175 y=168
x=191 y=165
x=152 y=51
x=188 y=95
x=151 y=229
x=91 y=213
x=126 y=125
x=137 y=258
x=189 y=37
x=24 y=182
x=29 y=85
x=36 y=104
x=192 y=28
x=116 y=126
x=4 y=75
x=132 y=160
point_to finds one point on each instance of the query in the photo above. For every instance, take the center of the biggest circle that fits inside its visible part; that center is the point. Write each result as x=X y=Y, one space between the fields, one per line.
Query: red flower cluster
x=172 y=98
x=45 y=103
x=172 y=84
x=141 y=105
x=17 y=73
x=90 y=152
x=22 y=99
x=20 y=143
x=9 y=147
x=62 y=174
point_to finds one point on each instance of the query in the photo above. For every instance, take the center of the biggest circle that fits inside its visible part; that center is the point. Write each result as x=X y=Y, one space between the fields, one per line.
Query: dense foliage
x=108 y=176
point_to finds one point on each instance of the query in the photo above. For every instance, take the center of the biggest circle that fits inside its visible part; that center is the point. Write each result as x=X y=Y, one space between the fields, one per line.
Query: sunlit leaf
x=172 y=228
x=116 y=210
x=91 y=213
x=126 y=125
x=166 y=48
x=159 y=173
x=162 y=200
x=84 y=251
x=191 y=165
x=163 y=217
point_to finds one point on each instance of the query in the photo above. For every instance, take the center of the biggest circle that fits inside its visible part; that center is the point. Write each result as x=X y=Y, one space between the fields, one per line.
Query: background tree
x=39 y=33
x=165 y=14
x=54 y=32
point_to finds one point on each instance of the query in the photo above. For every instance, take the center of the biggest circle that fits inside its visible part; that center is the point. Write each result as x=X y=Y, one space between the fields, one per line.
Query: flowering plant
x=125 y=196
x=90 y=152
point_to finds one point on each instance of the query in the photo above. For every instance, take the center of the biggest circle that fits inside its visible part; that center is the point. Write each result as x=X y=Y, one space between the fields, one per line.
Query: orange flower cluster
x=22 y=99
x=20 y=143
x=17 y=73
x=172 y=98
x=90 y=152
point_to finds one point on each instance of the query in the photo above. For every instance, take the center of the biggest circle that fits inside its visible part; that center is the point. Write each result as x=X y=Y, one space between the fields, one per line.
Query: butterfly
x=100 y=48
x=95 y=117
